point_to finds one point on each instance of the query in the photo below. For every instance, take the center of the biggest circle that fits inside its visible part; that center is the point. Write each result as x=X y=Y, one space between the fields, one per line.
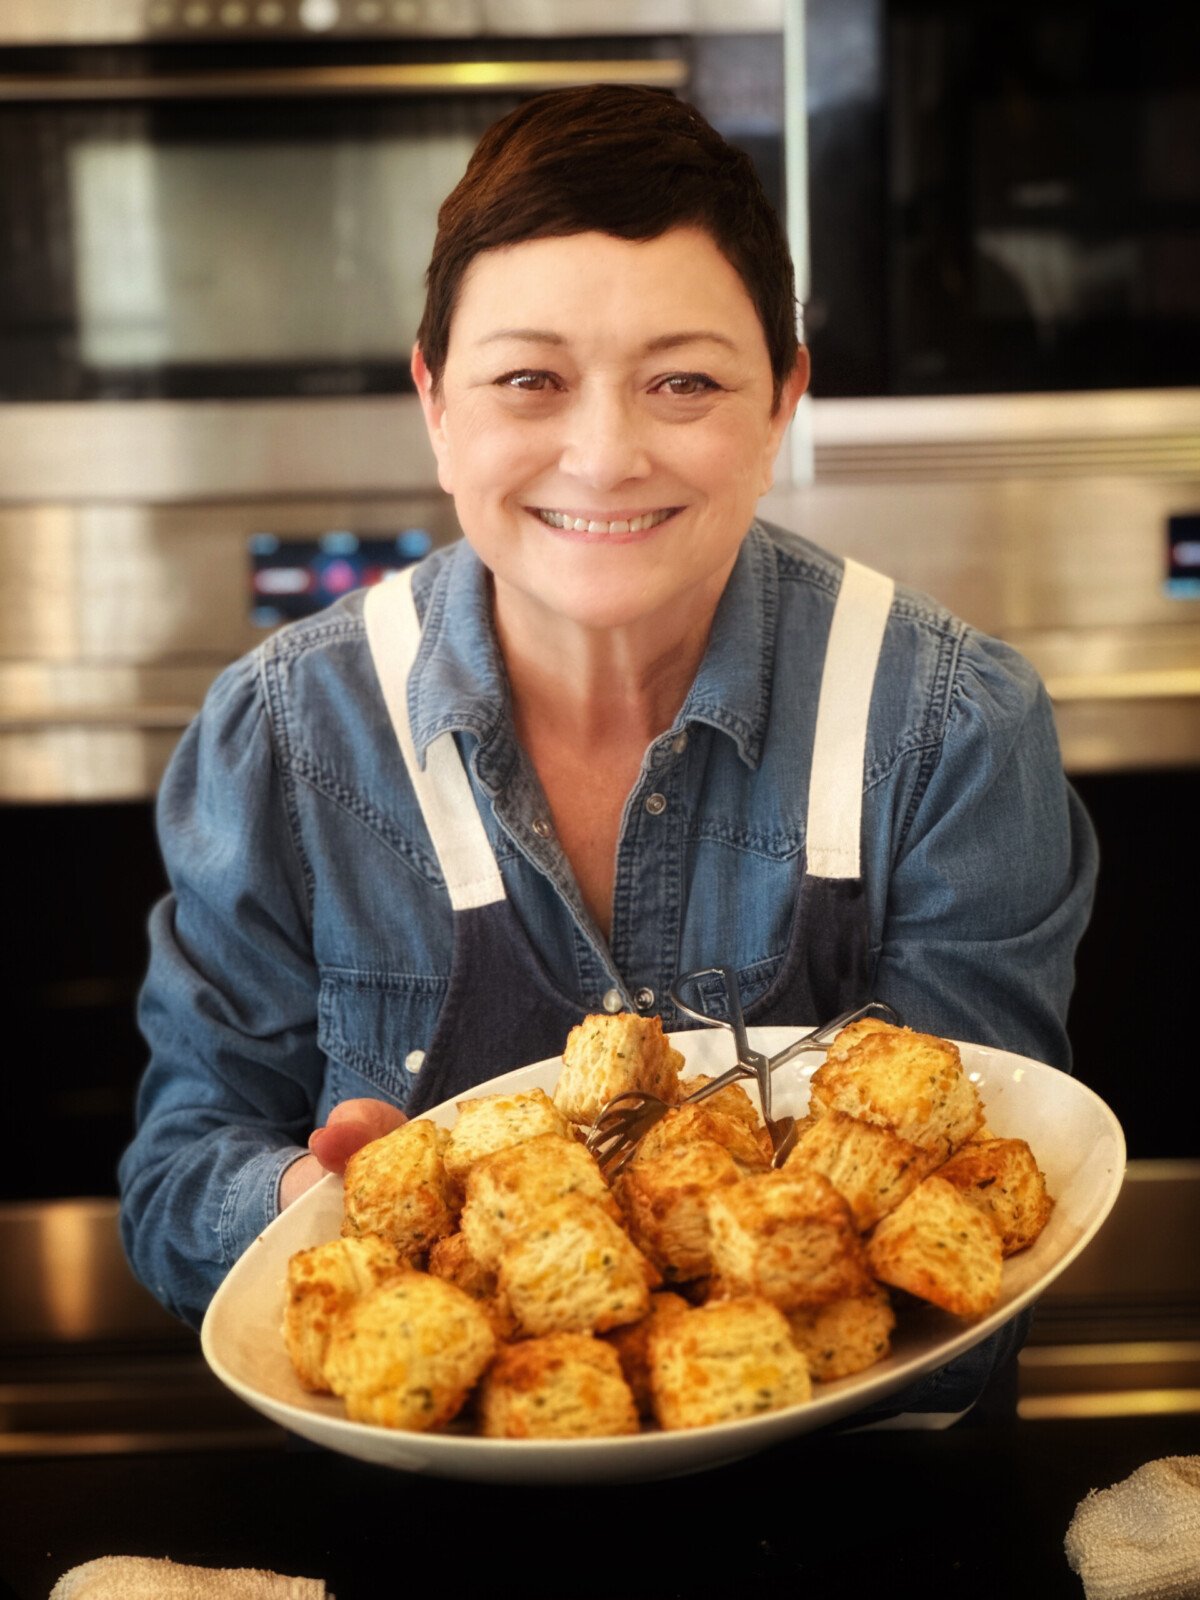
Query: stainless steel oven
x=1006 y=196
x=1004 y=320
x=214 y=221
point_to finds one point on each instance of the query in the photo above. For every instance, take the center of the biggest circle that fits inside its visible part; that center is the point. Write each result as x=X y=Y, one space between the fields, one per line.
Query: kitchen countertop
x=978 y=1511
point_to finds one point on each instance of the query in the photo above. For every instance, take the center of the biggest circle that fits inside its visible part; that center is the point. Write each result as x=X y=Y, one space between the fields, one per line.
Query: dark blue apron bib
x=502 y=1008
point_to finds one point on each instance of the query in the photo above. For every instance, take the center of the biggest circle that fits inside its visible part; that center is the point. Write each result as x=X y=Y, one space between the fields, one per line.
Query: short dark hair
x=622 y=160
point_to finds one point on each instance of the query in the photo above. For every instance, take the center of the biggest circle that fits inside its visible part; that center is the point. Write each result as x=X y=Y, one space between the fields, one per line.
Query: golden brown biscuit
x=563 y=1386
x=910 y=1082
x=731 y=1101
x=321 y=1282
x=1001 y=1178
x=719 y=1362
x=508 y=1191
x=869 y=1165
x=749 y=1144
x=787 y=1237
x=632 y=1344
x=845 y=1336
x=494 y=1122
x=452 y=1260
x=850 y=1035
x=937 y=1246
x=664 y=1200
x=574 y=1270
x=398 y=1187
x=407 y=1354
x=610 y=1055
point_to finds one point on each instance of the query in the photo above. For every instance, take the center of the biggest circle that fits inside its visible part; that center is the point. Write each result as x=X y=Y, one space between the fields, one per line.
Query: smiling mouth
x=567 y=522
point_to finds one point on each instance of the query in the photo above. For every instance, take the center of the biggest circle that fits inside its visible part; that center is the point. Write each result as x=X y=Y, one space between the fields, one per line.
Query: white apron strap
x=442 y=788
x=834 y=848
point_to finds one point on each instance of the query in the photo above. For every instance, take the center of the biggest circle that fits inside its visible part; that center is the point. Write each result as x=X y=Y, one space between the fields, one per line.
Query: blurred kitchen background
x=214 y=220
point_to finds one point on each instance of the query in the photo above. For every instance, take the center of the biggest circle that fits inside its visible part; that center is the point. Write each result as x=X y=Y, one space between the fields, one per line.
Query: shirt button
x=541 y=827
x=643 y=999
x=414 y=1060
x=613 y=1001
x=656 y=804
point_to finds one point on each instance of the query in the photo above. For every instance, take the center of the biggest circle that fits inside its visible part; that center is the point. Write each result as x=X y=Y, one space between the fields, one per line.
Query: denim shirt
x=303 y=954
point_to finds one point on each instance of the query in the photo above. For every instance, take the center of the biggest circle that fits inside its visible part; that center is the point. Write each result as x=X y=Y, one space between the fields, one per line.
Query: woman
x=621 y=731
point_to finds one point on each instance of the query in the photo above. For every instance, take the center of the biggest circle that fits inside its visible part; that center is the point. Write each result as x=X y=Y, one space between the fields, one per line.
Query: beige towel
x=139 y=1578
x=1140 y=1540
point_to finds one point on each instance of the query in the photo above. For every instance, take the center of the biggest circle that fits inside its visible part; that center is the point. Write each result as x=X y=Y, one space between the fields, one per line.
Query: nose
x=605 y=443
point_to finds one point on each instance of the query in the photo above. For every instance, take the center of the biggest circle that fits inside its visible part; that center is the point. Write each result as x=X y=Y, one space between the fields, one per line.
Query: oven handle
x=453 y=77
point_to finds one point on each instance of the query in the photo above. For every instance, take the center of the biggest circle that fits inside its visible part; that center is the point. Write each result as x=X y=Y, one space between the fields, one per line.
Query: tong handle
x=751 y=1063
x=821 y=1038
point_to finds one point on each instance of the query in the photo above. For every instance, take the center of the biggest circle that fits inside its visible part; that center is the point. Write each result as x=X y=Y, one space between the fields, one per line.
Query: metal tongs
x=627 y=1118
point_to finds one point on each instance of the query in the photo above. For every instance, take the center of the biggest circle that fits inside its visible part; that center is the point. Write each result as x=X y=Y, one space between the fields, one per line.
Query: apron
x=503 y=1008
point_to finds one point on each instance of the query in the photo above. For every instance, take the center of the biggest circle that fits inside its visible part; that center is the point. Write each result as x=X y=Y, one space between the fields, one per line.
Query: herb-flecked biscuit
x=494 y=1122
x=398 y=1187
x=452 y=1260
x=321 y=1282
x=787 y=1237
x=607 y=1055
x=1001 y=1178
x=563 y=1386
x=748 y=1143
x=910 y=1082
x=406 y=1355
x=508 y=1191
x=869 y=1165
x=723 y=1361
x=845 y=1336
x=937 y=1246
x=574 y=1270
x=632 y=1344
x=665 y=1201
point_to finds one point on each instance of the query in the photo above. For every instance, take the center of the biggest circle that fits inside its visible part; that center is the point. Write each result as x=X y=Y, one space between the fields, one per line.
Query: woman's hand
x=351 y=1124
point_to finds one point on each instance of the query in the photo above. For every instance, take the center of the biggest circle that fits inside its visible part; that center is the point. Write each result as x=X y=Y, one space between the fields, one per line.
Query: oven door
x=204 y=225
x=1004 y=196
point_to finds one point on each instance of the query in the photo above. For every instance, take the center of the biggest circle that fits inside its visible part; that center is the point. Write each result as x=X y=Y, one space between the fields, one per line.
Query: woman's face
x=605 y=424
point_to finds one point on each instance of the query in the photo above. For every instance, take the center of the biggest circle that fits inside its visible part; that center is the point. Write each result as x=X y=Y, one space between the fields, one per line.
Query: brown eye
x=687 y=384
x=526 y=381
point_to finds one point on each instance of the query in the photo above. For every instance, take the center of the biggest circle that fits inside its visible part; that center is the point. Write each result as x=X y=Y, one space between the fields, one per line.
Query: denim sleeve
x=228 y=1009
x=992 y=887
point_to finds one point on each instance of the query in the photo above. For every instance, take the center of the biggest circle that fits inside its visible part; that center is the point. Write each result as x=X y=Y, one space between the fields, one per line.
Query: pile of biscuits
x=488 y=1275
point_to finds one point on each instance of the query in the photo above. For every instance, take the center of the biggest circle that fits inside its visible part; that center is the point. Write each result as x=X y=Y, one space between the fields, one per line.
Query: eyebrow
x=664 y=341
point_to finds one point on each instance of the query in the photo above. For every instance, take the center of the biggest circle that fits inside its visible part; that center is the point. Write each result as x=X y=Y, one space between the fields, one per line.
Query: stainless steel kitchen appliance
x=214 y=223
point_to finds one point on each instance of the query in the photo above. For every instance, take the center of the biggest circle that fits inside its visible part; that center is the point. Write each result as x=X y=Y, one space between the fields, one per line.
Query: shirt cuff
x=252 y=1202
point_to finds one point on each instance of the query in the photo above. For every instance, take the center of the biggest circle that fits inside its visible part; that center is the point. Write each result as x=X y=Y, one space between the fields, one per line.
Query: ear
x=433 y=409
x=794 y=386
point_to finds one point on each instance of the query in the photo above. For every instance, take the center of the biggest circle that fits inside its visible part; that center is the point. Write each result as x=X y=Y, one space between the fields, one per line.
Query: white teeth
x=559 y=519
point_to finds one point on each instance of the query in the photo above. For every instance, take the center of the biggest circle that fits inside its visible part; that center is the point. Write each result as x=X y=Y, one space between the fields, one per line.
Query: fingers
x=352 y=1124
x=298 y=1179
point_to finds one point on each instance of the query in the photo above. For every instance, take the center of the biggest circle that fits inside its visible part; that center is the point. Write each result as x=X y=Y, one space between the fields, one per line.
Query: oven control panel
x=444 y=18
x=295 y=574
x=1183 y=556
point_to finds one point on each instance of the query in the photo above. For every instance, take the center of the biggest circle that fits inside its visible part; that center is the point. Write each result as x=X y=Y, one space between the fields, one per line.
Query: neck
x=597 y=686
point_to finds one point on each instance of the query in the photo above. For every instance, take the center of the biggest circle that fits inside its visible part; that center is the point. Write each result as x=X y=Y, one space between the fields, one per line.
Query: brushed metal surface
x=143 y=585
x=162 y=451
x=68 y=1281
x=115 y=619
x=123 y=596
x=468 y=77
x=122 y=21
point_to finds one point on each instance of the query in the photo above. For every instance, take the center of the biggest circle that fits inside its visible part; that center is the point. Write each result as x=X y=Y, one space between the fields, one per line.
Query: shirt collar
x=458 y=681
